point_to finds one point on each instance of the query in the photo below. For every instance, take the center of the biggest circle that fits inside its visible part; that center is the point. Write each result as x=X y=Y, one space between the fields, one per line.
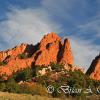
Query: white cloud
x=92 y=26
x=84 y=52
x=29 y=25
x=26 y=25
x=69 y=10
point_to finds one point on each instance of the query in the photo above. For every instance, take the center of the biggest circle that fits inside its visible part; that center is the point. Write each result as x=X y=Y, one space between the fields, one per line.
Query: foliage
x=2 y=63
x=12 y=86
x=57 y=67
x=34 y=89
x=73 y=79
x=2 y=86
x=24 y=75
x=22 y=56
x=56 y=77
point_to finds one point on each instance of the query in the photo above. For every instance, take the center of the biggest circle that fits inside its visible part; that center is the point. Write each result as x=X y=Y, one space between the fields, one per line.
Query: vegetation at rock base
x=57 y=67
x=24 y=75
x=57 y=76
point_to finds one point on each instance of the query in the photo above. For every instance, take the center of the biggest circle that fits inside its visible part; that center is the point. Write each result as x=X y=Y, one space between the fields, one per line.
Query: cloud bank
x=84 y=52
x=26 y=25
x=80 y=20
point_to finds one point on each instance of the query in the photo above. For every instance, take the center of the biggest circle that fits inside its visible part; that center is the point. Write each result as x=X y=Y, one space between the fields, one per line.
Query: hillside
x=47 y=69
x=12 y=96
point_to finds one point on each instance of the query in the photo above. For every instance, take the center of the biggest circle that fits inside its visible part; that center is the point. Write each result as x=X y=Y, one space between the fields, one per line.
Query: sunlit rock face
x=94 y=69
x=50 y=49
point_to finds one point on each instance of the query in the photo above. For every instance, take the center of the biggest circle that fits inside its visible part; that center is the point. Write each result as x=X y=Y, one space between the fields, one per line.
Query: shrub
x=2 y=86
x=76 y=77
x=33 y=88
x=12 y=86
x=2 y=63
x=24 y=88
x=22 y=56
x=24 y=75
x=57 y=67
x=38 y=89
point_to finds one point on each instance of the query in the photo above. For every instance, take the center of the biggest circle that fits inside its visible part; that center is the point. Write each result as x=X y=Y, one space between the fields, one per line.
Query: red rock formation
x=67 y=56
x=49 y=39
x=14 y=66
x=94 y=69
x=14 y=52
x=50 y=49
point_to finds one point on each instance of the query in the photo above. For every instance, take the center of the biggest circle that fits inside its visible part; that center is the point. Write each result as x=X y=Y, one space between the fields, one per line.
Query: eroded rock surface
x=52 y=49
x=94 y=69
x=49 y=49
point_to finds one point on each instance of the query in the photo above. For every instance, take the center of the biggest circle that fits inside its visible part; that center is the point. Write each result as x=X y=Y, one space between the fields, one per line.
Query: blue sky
x=28 y=20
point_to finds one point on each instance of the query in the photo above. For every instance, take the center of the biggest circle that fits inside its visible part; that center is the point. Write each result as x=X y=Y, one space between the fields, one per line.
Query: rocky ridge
x=49 y=49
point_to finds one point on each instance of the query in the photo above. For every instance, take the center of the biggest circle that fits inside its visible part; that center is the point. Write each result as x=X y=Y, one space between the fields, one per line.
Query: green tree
x=24 y=75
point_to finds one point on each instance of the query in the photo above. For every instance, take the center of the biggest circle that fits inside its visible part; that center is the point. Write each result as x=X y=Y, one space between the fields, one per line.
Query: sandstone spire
x=52 y=49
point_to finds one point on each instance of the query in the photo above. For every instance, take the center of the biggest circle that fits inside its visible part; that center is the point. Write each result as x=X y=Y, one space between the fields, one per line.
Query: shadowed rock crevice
x=48 y=45
x=60 y=52
x=31 y=49
x=37 y=54
x=92 y=67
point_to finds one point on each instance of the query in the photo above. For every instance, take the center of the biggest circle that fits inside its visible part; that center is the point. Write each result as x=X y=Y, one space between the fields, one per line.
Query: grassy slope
x=12 y=96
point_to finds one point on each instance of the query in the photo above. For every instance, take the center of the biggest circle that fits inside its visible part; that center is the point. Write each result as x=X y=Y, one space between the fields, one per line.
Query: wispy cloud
x=81 y=22
x=74 y=10
x=92 y=27
x=84 y=52
x=26 y=25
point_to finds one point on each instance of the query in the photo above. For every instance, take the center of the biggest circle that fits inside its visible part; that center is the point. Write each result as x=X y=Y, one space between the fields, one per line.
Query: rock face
x=66 y=56
x=94 y=69
x=14 y=52
x=49 y=49
x=52 y=49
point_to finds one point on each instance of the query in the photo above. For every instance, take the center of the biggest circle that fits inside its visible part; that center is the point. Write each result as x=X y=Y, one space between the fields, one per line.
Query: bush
x=33 y=88
x=2 y=87
x=2 y=63
x=22 y=56
x=24 y=88
x=76 y=78
x=57 y=67
x=24 y=75
x=12 y=86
